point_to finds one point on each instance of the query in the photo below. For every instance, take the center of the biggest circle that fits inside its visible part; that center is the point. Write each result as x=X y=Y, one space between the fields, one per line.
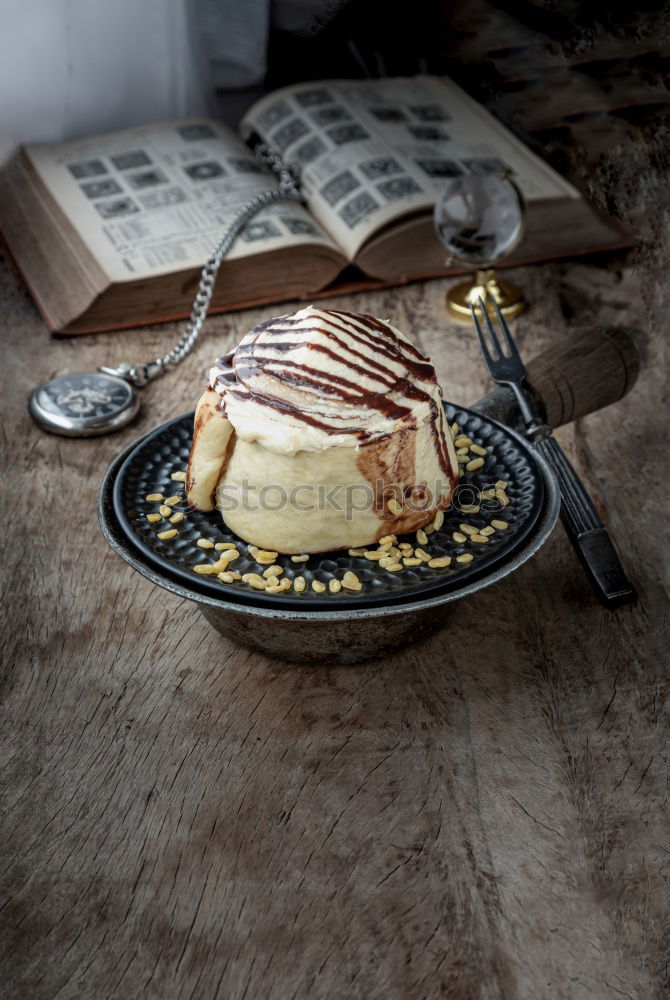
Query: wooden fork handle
x=584 y=372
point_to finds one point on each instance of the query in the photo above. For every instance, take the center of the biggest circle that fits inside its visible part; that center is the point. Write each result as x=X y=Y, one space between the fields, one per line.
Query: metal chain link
x=288 y=189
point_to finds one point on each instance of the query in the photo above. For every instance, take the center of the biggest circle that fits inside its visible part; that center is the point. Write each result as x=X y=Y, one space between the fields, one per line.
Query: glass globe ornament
x=479 y=219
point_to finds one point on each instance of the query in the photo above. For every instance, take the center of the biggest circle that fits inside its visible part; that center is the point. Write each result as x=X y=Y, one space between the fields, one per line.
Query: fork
x=581 y=521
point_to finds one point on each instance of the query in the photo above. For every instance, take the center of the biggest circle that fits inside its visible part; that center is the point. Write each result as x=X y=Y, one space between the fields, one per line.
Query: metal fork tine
x=480 y=335
x=511 y=346
x=491 y=328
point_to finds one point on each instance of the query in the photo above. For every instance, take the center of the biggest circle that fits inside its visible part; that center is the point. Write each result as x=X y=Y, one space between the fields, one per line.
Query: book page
x=372 y=151
x=156 y=199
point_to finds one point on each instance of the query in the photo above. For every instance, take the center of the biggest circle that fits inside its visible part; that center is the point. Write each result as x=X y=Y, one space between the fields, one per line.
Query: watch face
x=84 y=404
x=84 y=396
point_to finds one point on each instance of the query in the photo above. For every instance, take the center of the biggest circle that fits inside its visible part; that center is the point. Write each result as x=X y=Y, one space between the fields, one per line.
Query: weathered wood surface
x=483 y=816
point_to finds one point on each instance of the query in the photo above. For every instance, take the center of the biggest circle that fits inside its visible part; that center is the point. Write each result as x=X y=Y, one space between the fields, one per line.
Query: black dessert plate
x=149 y=465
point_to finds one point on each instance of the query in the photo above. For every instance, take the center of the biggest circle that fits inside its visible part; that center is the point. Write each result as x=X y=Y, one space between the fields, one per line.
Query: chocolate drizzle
x=358 y=366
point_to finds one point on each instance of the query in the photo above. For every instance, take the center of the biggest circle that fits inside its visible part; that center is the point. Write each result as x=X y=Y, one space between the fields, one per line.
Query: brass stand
x=487 y=287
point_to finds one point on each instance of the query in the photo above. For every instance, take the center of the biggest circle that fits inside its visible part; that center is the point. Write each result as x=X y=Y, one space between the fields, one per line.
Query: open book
x=113 y=231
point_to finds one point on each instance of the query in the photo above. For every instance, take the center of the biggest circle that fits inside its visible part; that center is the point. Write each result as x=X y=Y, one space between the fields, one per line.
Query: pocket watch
x=84 y=404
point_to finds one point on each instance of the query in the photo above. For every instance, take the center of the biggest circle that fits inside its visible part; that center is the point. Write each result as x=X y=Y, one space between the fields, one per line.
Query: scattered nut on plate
x=393 y=556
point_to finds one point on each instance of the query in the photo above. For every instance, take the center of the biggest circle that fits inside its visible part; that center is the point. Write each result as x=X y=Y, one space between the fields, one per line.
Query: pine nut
x=465 y=558
x=222 y=546
x=502 y=498
x=272 y=571
x=501 y=485
x=334 y=586
x=404 y=546
x=254 y=580
x=412 y=561
x=375 y=555
x=205 y=569
x=475 y=464
x=171 y=501
x=481 y=539
x=154 y=518
x=462 y=441
x=470 y=508
x=356 y=552
x=461 y=451
x=351 y=581
x=488 y=530
x=279 y=586
x=164 y=535
x=388 y=540
x=422 y=555
x=220 y=565
x=164 y=510
x=299 y=584
x=487 y=494
x=459 y=537
x=440 y=563
x=478 y=450
x=439 y=520
x=266 y=558
x=205 y=543
x=467 y=529
x=318 y=587
x=154 y=497
x=178 y=477
x=463 y=459
x=394 y=507
x=422 y=537
x=177 y=518
x=500 y=525
x=454 y=430
x=227 y=556
x=301 y=558
x=227 y=576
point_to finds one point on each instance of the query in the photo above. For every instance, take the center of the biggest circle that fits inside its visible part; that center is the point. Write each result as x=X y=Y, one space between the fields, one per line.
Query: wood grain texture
x=482 y=816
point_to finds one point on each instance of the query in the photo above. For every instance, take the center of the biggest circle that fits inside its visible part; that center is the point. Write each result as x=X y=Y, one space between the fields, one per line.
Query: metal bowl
x=341 y=634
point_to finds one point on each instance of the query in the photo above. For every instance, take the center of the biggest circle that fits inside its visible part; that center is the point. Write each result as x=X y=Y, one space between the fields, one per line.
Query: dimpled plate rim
x=387 y=588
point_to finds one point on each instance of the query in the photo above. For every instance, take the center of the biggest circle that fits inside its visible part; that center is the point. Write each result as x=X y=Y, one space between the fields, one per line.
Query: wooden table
x=482 y=816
